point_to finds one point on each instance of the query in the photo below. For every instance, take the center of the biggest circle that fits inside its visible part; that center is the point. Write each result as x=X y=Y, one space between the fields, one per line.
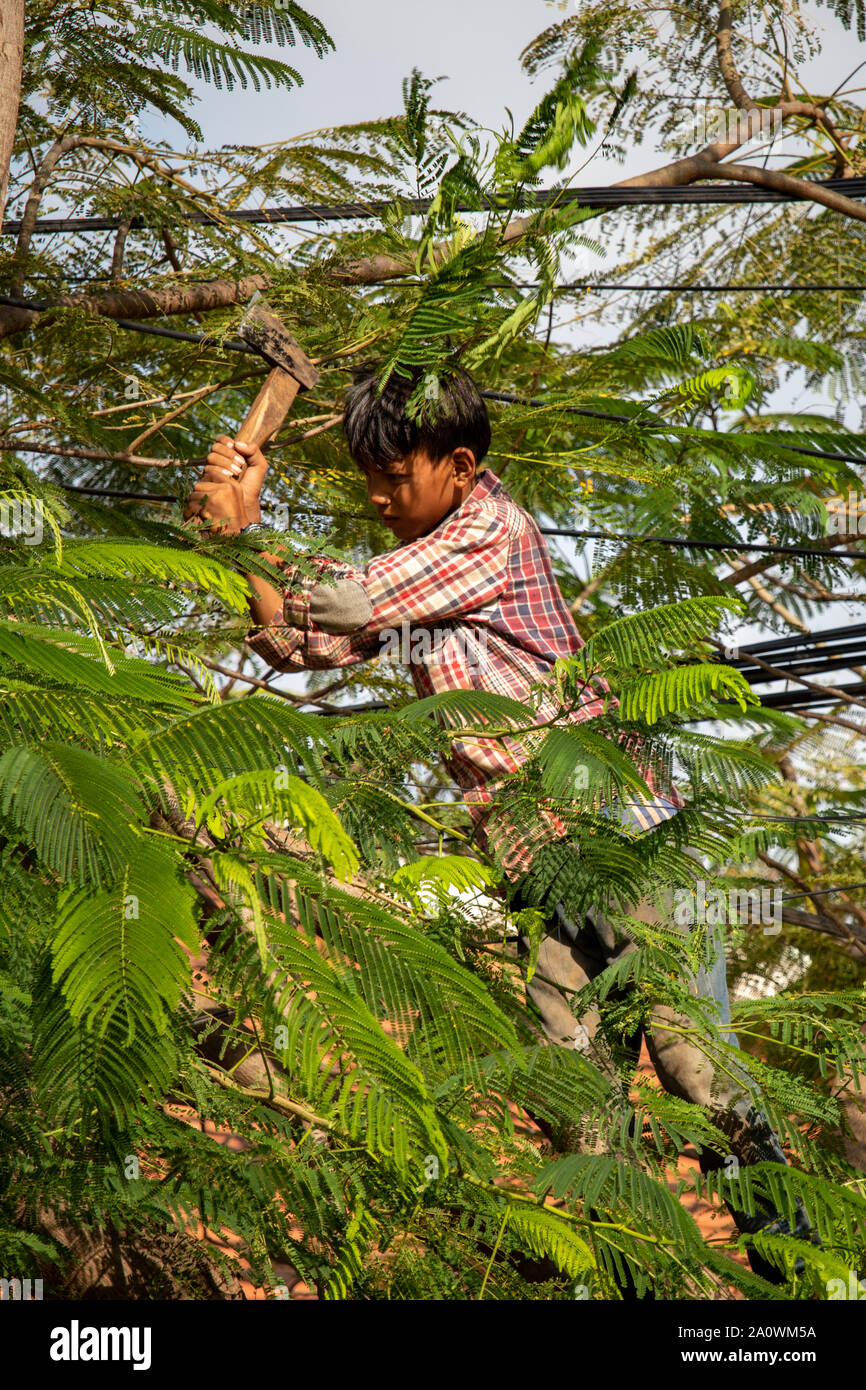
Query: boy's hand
x=228 y=490
x=254 y=466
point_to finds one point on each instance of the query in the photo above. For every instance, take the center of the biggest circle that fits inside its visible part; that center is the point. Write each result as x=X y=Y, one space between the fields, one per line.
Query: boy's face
x=415 y=493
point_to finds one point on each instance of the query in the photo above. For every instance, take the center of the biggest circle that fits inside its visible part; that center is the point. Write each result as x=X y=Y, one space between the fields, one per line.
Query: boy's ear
x=463 y=463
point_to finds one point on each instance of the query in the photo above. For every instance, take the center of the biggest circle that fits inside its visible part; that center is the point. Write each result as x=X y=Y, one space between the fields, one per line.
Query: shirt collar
x=487 y=484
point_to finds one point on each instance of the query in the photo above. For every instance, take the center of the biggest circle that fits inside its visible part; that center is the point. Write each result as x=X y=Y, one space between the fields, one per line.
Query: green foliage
x=222 y=913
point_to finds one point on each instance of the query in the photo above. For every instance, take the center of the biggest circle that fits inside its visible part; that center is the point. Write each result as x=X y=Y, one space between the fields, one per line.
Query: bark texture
x=11 y=63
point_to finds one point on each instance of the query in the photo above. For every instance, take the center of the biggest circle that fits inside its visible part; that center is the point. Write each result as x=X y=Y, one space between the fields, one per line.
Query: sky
x=476 y=46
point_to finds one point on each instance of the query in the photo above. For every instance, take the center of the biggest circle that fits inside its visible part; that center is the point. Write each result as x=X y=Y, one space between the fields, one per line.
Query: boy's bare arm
x=228 y=497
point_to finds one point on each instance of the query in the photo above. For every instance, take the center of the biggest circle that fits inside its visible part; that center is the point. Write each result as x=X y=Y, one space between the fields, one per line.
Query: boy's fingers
x=226 y=462
x=223 y=447
x=221 y=470
x=256 y=465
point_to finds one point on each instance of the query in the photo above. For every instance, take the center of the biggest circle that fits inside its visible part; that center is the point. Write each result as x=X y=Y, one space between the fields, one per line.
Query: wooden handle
x=269 y=409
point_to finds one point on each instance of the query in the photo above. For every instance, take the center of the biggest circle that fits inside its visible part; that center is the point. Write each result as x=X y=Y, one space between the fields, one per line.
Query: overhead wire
x=504 y=397
x=603 y=196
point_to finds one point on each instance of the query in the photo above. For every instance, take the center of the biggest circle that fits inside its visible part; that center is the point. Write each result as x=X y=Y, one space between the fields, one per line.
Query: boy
x=475 y=565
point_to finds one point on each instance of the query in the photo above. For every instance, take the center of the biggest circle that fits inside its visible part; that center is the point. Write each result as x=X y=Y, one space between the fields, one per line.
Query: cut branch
x=143 y=303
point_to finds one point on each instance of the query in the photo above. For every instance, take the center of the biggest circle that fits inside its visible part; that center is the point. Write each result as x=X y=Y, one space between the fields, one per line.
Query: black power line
x=504 y=397
x=705 y=545
x=558 y=531
x=595 y=196
x=702 y=289
x=803 y=639
x=801 y=699
x=511 y=398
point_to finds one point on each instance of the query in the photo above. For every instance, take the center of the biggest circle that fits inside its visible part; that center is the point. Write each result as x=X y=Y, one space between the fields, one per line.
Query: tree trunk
x=11 y=62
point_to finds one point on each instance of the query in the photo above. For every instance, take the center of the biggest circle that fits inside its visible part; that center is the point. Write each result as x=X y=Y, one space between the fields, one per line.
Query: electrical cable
x=503 y=397
x=564 y=532
x=598 y=196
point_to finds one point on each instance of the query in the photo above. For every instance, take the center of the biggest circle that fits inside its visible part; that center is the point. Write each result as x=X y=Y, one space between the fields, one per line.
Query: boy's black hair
x=452 y=415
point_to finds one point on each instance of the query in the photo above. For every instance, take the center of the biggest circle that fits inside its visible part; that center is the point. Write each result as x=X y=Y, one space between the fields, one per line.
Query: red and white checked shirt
x=483 y=579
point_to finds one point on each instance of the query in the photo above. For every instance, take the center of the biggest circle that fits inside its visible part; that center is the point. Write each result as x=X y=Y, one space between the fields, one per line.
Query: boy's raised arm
x=228 y=496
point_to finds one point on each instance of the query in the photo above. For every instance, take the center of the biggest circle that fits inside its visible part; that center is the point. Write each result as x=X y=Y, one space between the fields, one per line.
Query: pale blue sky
x=476 y=44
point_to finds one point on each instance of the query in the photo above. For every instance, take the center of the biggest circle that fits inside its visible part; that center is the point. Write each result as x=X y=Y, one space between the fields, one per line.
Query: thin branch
x=32 y=446
x=757 y=566
x=777 y=606
x=253 y=681
x=119 y=248
x=833 y=719
x=174 y=414
x=827 y=910
x=310 y=434
x=273 y=1102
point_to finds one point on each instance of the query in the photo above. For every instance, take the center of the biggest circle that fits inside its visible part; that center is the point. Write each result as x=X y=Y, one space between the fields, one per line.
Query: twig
x=308 y=434
x=273 y=1102
x=32 y=446
x=252 y=680
x=173 y=414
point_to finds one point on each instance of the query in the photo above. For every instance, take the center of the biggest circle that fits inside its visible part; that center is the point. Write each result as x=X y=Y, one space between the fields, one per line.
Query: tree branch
x=120 y=247
x=195 y=299
x=741 y=99
x=145 y=304
x=11 y=63
x=784 y=183
x=727 y=67
x=32 y=446
x=52 y=156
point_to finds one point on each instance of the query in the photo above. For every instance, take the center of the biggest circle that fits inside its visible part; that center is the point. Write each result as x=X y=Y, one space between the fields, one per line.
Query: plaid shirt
x=482 y=586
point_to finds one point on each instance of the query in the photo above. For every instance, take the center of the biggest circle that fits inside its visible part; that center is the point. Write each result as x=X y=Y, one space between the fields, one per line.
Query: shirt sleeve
x=289 y=648
x=461 y=567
